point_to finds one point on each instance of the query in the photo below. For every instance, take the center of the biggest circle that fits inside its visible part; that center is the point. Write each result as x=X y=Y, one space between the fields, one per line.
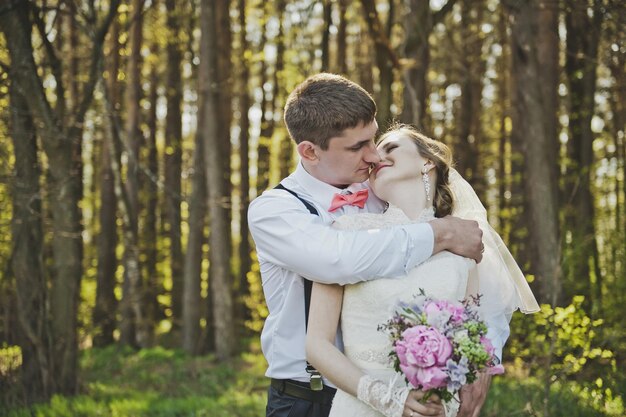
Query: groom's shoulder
x=274 y=201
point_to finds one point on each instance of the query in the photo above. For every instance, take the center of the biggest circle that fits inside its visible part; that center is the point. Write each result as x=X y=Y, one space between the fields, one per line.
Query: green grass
x=160 y=383
x=168 y=383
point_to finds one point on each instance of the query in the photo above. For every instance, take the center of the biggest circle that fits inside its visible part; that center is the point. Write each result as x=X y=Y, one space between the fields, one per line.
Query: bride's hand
x=413 y=407
x=459 y=236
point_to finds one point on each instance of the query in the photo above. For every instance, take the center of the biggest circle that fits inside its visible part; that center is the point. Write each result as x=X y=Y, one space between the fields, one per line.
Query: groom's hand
x=459 y=236
x=473 y=396
x=414 y=407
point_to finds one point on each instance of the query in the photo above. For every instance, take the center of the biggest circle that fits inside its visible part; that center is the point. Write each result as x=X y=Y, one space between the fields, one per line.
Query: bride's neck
x=409 y=196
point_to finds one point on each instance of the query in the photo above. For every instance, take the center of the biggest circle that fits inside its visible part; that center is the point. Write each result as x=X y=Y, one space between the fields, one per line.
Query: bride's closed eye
x=389 y=147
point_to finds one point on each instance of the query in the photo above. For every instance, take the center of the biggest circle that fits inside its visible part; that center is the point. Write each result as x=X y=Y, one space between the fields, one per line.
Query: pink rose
x=422 y=352
x=427 y=378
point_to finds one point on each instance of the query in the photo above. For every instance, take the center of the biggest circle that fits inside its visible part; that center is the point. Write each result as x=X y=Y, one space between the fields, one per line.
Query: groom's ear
x=307 y=151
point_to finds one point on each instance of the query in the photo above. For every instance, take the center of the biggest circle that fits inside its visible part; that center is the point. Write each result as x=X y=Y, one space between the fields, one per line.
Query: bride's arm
x=321 y=351
x=324 y=314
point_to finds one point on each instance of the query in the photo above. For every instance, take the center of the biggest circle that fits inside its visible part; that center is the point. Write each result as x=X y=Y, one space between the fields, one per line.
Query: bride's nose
x=371 y=154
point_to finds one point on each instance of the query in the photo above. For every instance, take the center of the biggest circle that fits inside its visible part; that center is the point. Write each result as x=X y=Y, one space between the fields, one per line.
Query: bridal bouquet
x=440 y=345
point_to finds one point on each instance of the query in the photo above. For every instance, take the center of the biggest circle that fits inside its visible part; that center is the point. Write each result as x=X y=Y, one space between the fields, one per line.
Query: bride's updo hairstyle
x=441 y=156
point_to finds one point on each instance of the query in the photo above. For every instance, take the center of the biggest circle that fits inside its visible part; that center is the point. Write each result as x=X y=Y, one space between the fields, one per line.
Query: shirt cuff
x=421 y=244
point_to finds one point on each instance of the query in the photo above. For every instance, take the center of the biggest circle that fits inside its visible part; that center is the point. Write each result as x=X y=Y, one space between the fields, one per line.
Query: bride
x=416 y=180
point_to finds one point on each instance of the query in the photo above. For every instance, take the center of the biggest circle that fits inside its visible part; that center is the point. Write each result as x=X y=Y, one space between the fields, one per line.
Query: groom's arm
x=288 y=236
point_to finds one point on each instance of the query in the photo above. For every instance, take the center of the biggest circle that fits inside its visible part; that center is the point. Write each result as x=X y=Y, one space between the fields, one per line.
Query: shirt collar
x=320 y=191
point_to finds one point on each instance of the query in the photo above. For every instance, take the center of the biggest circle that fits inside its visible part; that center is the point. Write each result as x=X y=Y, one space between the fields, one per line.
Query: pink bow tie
x=357 y=199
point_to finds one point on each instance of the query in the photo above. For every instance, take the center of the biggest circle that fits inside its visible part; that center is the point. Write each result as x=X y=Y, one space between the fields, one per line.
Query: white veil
x=500 y=281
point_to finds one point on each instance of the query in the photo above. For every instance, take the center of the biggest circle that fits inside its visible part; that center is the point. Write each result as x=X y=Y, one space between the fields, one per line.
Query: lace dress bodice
x=368 y=304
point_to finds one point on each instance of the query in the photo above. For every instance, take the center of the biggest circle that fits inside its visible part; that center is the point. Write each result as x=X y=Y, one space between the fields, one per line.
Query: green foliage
x=525 y=397
x=10 y=359
x=119 y=382
x=563 y=346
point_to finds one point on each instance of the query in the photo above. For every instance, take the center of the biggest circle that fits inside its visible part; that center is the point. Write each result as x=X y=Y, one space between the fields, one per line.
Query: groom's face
x=349 y=156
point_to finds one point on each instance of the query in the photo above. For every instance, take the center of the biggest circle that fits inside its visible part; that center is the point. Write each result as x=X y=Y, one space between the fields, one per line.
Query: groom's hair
x=325 y=105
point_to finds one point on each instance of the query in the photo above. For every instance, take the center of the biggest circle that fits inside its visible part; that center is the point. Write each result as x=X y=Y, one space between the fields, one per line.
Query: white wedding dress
x=369 y=304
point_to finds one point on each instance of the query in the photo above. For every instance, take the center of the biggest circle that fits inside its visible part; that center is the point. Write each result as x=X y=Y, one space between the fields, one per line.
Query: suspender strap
x=308 y=285
x=308 y=205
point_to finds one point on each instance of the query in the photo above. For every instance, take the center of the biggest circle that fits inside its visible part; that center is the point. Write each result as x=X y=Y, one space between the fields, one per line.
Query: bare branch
x=96 y=62
x=16 y=25
x=440 y=14
x=378 y=35
x=55 y=63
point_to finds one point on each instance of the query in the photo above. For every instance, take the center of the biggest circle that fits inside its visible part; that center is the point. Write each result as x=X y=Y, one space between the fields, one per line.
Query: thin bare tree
x=208 y=117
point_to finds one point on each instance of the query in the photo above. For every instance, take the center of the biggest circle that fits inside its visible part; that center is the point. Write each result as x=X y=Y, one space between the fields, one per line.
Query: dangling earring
x=426 y=180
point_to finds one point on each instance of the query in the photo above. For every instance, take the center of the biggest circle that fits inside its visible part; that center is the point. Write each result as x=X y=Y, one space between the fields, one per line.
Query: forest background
x=134 y=133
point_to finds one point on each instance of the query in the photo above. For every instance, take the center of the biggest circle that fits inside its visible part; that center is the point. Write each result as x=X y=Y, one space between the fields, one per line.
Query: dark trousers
x=281 y=404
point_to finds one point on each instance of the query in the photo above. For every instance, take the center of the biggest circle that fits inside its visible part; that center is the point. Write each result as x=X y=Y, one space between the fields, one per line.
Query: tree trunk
x=215 y=165
x=225 y=79
x=504 y=145
x=63 y=194
x=268 y=117
x=581 y=61
x=470 y=108
x=528 y=115
x=192 y=302
x=173 y=156
x=342 y=39
x=285 y=152
x=364 y=61
x=133 y=326
x=327 y=15
x=617 y=100
x=548 y=59
x=65 y=183
x=106 y=304
x=385 y=61
x=193 y=254
x=245 y=262
x=418 y=25
x=151 y=198
x=27 y=261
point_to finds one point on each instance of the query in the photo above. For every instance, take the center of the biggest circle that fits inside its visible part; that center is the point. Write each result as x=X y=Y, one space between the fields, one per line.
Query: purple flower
x=457 y=373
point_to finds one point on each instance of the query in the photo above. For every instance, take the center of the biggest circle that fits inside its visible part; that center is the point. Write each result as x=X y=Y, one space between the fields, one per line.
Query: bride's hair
x=441 y=156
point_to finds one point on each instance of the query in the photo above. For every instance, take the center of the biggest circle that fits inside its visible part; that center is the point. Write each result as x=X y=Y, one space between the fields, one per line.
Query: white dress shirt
x=292 y=243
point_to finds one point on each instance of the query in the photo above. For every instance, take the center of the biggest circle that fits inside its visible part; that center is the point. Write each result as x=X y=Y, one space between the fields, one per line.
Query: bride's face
x=400 y=161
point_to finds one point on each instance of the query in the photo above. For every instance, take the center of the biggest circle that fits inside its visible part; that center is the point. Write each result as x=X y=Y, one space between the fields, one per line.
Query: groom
x=332 y=121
